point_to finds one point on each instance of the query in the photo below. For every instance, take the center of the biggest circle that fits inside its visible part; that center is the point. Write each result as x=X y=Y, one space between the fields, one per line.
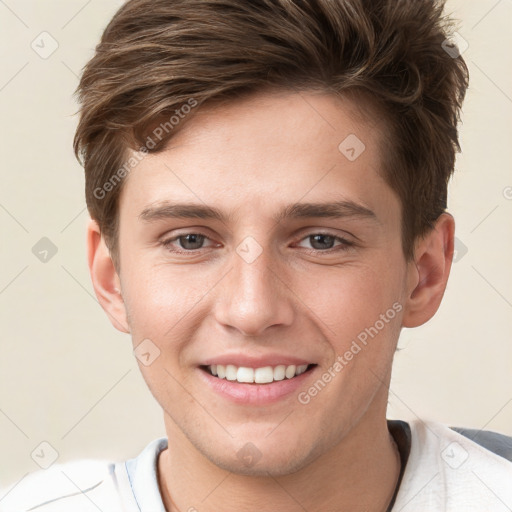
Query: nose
x=254 y=295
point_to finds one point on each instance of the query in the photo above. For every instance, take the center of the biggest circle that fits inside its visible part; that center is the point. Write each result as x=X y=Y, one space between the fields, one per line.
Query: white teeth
x=301 y=369
x=263 y=375
x=231 y=372
x=279 y=372
x=245 y=374
x=290 y=371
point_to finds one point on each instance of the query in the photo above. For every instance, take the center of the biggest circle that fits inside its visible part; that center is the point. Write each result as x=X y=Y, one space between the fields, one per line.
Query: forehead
x=266 y=149
x=283 y=119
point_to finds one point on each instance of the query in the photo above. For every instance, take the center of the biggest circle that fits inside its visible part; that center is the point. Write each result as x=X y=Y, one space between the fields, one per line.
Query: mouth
x=261 y=375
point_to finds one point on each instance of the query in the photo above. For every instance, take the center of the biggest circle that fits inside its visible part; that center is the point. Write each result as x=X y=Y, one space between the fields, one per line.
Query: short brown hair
x=156 y=56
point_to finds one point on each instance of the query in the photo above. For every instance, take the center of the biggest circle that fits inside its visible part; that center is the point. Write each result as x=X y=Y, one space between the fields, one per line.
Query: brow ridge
x=336 y=209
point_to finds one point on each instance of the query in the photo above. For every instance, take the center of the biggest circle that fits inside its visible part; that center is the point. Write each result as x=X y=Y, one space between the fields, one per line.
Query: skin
x=294 y=298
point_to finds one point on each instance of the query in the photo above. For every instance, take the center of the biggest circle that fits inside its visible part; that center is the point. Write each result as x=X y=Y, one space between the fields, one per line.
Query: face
x=255 y=245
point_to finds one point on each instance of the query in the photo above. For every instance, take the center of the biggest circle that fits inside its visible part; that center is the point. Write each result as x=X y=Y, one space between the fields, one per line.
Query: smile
x=261 y=375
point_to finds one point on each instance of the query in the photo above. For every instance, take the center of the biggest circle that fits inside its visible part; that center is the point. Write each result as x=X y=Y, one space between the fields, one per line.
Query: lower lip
x=255 y=394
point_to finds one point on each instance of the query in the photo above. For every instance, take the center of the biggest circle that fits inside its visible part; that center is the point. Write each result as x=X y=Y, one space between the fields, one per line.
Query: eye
x=190 y=242
x=324 y=242
x=187 y=241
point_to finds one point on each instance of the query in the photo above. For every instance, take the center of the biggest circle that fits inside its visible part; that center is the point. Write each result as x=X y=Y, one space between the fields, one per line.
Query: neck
x=340 y=479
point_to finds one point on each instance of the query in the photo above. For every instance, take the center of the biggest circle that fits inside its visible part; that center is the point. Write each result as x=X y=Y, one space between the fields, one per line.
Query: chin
x=272 y=460
x=264 y=468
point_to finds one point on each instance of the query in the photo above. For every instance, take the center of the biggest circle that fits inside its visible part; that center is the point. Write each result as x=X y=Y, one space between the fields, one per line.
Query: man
x=267 y=185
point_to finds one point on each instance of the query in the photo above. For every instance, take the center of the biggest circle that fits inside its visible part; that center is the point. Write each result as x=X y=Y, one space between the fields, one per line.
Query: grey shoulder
x=497 y=443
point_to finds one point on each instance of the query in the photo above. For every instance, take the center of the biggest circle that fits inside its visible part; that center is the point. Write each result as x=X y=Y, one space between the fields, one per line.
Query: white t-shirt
x=445 y=471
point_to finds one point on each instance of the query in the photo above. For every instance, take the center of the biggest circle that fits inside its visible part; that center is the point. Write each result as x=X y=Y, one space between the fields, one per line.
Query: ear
x=428 y=273
x=105 y=280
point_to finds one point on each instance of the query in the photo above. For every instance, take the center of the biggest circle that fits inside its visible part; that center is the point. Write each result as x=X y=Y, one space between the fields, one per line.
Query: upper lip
x=255 y=361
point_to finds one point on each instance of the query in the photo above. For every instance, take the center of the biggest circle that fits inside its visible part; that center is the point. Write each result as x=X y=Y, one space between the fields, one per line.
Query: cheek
x=158 y=298
x=352 y=296
x=359 y=309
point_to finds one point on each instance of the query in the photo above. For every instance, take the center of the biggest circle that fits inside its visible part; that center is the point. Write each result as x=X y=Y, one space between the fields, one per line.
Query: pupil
x=194 y=239
x=328 y=237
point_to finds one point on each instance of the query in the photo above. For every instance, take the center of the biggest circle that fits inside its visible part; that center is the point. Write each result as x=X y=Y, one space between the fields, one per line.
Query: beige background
x=68 y=378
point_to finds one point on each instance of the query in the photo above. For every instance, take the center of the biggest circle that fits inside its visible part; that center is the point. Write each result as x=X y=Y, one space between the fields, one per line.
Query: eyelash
x=344 y=245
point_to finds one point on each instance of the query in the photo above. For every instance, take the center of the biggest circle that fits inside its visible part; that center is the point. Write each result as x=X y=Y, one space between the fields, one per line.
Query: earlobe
x=429 y=272
x=105 y=279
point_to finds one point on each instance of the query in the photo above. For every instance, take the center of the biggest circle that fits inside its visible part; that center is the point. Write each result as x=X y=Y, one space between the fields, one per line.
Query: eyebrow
x=334 y=210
